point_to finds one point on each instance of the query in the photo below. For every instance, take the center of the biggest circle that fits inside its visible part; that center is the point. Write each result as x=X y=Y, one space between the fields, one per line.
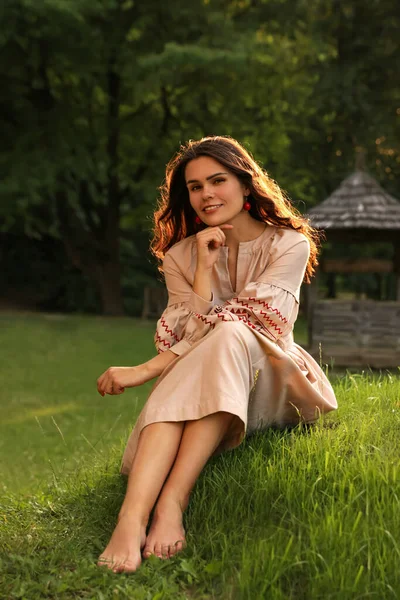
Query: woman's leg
x=156 y=452
x=159 y=442
x=199 y=440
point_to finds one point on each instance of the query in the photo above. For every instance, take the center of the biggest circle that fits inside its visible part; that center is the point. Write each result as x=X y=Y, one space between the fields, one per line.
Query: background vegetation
x=307 y=514
x=97 y=95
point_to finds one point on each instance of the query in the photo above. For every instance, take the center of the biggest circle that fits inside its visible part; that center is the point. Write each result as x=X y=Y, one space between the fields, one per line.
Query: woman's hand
x=209 y=242
x=116 y=379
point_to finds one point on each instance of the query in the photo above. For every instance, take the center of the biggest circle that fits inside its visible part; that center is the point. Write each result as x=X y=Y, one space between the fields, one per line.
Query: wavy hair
x=174 y=218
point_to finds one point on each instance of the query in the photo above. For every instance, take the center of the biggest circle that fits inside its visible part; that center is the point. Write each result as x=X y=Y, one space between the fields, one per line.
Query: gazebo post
x=396 y=265
x=311 y=300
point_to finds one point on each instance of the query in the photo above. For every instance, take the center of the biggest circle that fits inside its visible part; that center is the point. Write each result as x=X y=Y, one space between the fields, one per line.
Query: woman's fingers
x=215 y=240
x=115 y=390
x=108 y=383
x=103 y=384
x=217 y=234
x=100 y=384
x=211 y=234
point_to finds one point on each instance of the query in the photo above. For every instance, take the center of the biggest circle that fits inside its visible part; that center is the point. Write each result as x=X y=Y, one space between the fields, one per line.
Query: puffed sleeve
x=183 y=302
x=268 y=305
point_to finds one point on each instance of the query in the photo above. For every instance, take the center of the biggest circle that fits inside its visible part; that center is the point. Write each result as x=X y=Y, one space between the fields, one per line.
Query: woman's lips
x=209 y=210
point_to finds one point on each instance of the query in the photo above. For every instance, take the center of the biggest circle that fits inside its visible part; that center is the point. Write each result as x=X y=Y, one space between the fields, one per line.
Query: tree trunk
x=109 y=273
x=98 y=260
x=108 y=278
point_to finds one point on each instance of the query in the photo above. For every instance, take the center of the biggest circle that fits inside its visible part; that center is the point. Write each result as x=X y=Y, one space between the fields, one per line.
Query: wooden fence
x=356 y=332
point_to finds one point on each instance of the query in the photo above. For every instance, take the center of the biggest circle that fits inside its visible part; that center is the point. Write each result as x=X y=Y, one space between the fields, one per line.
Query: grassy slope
x=299 y=515
x=53 y=418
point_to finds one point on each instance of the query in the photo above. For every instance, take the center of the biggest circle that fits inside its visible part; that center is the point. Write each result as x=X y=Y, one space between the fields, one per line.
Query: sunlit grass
x=306 y=514
x=48 y=388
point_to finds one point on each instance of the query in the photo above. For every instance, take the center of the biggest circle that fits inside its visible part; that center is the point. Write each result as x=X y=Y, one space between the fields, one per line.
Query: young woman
x=235 y=253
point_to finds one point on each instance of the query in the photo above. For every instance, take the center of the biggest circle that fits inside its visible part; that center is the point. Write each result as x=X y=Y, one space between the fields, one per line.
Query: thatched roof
x=358 y=203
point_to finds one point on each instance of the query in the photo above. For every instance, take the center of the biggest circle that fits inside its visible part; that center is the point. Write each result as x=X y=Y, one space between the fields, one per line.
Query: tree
x=356 y=98
x=99 y=94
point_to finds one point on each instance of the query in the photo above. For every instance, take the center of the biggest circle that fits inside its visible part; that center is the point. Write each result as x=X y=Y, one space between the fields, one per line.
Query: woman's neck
x=245 y=229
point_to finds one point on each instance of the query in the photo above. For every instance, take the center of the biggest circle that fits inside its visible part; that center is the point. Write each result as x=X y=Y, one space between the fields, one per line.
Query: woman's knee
x=232 y=329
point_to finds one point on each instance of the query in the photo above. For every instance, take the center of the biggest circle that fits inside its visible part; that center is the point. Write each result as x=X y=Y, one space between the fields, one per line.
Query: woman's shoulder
x=286 y=238
x=290 y=240
x=289 y=236
x=181 y=252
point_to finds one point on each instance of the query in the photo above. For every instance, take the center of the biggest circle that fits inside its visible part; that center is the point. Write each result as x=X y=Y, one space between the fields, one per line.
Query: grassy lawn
x=53 y=420
x=301 y=514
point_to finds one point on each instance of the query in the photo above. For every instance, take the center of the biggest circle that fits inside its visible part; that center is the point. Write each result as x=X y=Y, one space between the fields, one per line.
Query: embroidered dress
x=236 y=353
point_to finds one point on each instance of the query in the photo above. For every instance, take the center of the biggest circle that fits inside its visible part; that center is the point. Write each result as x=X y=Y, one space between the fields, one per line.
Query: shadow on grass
x=54 y=539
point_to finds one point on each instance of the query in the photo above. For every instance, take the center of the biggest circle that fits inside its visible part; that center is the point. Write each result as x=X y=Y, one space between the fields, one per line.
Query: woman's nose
x=207 y=192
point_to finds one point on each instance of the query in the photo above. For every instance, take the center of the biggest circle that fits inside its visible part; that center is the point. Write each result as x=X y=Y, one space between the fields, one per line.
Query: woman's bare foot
x=167 y=535
x=122 y=553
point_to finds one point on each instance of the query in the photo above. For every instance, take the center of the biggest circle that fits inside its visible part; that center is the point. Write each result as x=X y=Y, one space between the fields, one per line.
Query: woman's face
x=216 y=194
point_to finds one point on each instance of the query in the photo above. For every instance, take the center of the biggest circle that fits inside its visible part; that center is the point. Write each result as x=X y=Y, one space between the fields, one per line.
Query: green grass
x=53 y=420
x=305 y=514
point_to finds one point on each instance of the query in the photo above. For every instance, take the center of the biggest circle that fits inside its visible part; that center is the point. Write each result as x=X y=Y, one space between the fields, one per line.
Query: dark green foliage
x=96 y=97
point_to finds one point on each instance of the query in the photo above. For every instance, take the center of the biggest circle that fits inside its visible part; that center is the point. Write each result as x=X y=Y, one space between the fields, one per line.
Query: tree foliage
x=97 y=95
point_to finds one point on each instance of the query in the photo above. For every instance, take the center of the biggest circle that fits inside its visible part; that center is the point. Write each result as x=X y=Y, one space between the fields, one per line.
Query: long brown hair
x=174 y=218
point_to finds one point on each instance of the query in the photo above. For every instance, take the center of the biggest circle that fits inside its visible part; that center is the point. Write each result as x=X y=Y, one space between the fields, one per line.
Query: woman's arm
x=156 y=365
x=184 y=298
x=116 y=379
x=202 y=283
x=208 y=242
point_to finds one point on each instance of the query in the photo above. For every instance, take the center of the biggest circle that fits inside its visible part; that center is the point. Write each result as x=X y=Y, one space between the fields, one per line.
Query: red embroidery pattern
x=240 y=313
x=168 y=330
x=211 y=323
x=271 y=323
x=261 y=327
x=242 y=316
x=264 y=304
x=159 y=340
x=267 y=318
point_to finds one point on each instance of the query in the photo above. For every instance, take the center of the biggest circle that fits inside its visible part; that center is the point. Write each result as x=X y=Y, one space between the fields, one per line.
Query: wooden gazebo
x=357 y=332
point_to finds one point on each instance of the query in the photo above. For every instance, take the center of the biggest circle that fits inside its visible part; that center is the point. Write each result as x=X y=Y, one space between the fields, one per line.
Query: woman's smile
x=212 y=208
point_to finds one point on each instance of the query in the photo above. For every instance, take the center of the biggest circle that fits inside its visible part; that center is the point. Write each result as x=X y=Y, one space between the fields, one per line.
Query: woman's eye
x=197 y=187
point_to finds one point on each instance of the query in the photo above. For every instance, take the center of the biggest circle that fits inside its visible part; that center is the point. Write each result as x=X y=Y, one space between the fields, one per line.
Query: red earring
x=198 y=220
x=246 y=205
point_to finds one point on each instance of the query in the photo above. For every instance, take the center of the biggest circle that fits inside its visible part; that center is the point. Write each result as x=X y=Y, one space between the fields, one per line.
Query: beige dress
x=236 y=353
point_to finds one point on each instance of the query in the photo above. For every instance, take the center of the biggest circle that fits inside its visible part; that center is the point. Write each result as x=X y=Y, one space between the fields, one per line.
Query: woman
x=235 y=253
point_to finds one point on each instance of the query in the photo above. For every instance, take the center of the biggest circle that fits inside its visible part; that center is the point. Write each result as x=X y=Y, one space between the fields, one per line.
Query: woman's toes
x=147 y=553
x=175 y=548
x=126 y=567
x=117 y=567
x=105 y=562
